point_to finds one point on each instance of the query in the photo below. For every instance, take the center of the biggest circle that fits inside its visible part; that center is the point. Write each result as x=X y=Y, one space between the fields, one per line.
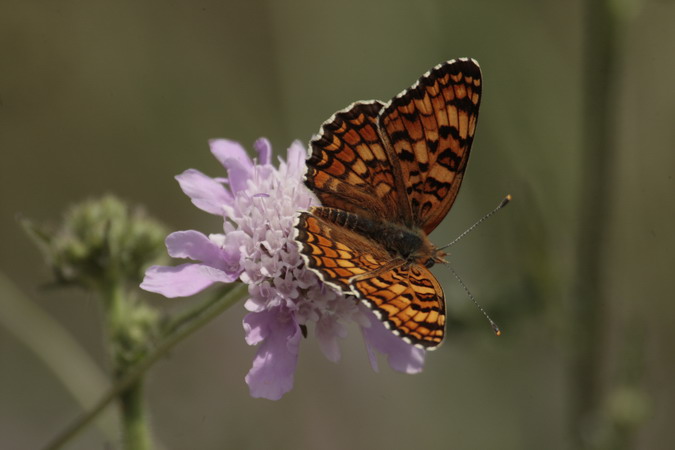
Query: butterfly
x=386 y=175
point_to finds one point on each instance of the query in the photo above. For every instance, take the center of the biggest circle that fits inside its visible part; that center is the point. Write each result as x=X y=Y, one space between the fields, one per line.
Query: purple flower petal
x=183 y=280
x=205 y=193
x=402 y=357
x=295 y=159
x=194 y=245
x=238 y=175
x=264 y=149
x=274 y=364
x=227 y=151
x=328 y=330
x=231 y=252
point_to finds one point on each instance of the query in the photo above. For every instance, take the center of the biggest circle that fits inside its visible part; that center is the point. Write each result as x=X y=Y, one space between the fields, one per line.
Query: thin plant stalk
x=589 y=301
x=136 y=428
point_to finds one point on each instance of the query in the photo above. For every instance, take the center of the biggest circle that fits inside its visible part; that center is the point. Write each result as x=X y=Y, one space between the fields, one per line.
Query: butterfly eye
x=429 y=263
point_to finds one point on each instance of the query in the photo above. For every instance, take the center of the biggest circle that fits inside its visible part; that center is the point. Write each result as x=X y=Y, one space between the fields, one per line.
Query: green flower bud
x=100 y=241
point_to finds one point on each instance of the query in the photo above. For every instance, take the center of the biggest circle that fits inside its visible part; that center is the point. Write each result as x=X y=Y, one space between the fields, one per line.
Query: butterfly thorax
x=407 y=243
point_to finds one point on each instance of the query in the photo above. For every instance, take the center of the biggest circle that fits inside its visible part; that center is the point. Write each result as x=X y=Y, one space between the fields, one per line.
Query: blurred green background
x=118 y=97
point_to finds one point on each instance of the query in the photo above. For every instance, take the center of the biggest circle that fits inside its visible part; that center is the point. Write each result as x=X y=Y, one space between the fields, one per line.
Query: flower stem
x=115 y=304
x=590 y=303
x=135 y=426
x=136 y=430
x=177 y=331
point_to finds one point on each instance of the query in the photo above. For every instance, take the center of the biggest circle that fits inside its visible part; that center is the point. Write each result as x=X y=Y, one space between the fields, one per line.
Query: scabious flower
x=259 y=203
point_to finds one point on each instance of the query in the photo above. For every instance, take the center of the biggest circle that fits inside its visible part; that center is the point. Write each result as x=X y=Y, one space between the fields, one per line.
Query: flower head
x=101 y=240
x=258 y=203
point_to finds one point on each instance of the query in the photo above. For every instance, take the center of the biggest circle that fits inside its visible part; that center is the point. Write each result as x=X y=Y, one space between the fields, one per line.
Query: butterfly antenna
x=494 y=326
x=503 y=203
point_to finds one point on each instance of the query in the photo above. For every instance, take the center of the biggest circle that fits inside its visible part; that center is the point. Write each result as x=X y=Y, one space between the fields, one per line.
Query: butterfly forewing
x=349 y=167
x=430 y=128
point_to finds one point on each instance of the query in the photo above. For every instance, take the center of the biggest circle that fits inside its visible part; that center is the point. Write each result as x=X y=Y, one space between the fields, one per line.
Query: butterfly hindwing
x=406 y=297
x=430 y=128
x=409 y=300
x=336 y=253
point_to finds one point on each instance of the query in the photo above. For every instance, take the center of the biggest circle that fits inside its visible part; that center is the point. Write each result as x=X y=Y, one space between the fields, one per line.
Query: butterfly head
x=435 y=256
x=426 y=254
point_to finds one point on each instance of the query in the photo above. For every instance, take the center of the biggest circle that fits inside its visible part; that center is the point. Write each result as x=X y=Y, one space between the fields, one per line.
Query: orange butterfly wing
x=430 y=128
x=350 y=168
x=409 y=300
x=338 y=254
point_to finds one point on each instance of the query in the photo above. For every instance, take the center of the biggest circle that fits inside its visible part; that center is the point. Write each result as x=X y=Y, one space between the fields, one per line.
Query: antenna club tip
x=506 y=201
